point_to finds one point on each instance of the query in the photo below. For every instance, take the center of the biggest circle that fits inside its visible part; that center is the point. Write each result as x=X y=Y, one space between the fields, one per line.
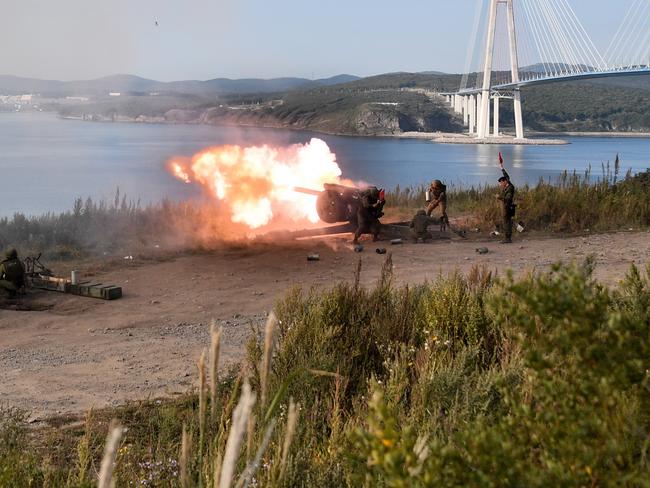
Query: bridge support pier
x=472 y=113
x=519 y=124
x=465 y=110
x=484 y=117
x=514 y=67
x=479 y=113
x=496 y=116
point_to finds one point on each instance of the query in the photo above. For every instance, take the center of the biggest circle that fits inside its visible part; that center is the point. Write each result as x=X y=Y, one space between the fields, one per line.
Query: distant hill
x=338 y=79
x=641 y=82
x=130 y=84
x=544 y=67
x=344 y=104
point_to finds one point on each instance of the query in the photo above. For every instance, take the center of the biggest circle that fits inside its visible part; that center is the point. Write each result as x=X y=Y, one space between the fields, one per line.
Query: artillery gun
x=338 y=203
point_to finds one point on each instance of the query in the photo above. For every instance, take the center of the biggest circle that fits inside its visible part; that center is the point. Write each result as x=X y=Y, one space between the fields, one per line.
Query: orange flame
x=257 y=183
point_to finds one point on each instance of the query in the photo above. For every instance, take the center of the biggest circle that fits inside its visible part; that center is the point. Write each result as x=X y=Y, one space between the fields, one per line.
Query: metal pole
x=487 y=72
x=514 y=69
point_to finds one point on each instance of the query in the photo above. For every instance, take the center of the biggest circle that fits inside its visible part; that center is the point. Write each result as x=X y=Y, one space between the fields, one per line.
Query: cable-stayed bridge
x=516 y=43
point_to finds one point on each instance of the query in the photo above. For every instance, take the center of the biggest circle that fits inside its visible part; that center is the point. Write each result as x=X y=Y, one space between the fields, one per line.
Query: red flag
x=382 y=195
x=500 y=158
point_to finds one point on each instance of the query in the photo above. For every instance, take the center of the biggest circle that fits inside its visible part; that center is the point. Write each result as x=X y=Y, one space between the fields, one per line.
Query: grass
x=571 y=204
x=107 y=228
x=463 y=381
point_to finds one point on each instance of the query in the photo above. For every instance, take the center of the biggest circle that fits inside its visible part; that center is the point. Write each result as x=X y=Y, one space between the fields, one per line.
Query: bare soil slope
x=62 y=353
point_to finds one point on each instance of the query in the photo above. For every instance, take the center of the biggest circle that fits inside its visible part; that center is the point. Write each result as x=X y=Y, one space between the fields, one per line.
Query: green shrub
x=573 y=203
x=541 y=381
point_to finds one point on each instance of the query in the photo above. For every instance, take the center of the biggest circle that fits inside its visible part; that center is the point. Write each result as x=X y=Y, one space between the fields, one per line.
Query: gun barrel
x=307 y=191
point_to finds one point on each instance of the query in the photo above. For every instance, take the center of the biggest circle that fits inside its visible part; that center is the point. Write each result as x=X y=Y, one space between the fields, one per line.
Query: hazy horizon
x=206 y=39
x=170 y=81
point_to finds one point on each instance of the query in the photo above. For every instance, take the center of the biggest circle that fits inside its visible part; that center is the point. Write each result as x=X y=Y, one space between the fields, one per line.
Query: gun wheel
x=330 y=208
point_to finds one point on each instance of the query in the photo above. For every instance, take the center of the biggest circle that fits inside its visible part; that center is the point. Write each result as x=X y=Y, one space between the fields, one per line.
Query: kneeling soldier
x=12 y=273
x=420 y=226
x=437 y=197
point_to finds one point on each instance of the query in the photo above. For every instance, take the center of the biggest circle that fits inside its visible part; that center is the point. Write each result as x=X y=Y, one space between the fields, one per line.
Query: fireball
x=257 y=183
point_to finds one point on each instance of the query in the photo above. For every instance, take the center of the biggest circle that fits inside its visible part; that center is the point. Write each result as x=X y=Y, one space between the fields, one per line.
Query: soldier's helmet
x=11 y=253
x=436 y=184
x=421 y=212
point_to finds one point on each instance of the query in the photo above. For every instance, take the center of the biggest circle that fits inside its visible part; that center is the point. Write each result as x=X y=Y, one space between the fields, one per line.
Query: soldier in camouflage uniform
x=420 y=226
x=506 y=196
x=438 y=198
x=368 y=214
x=12 y=273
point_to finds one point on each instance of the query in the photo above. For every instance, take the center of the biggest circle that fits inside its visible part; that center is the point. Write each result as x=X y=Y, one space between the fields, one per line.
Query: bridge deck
x=556 y=79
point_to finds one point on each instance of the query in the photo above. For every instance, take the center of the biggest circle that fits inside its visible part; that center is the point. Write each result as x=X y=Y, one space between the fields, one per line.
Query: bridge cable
x=471 y=47
x=620 y=32
x=625 y=43
x=574 y=45
x=536 y=36
x=634 y=38
x=597 y=57
x=569 y=61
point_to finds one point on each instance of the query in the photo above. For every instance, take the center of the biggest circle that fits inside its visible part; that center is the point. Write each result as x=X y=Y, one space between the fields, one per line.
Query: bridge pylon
x=487 y=94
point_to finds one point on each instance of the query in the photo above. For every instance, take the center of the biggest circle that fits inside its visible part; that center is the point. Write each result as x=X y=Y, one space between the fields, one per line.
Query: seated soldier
x=420 y=226
x=12 y=273
x=437 y=197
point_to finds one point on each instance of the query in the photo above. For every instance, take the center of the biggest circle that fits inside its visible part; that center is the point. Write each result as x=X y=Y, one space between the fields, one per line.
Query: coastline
x=642 y=135
x=533 y=137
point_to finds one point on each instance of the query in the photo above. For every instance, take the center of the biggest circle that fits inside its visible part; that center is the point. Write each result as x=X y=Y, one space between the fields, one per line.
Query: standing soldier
x=12 y=273
x=506 y=196
x=437 y=197
x=368 y=214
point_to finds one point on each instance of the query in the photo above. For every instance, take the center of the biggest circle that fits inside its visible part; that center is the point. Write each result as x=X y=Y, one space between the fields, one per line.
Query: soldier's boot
x=444 y=222
x=8 y=289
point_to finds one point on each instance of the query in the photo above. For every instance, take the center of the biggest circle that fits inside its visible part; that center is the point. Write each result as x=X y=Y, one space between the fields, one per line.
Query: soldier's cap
x=436 y=183
x=503 y=178
x=11 y=253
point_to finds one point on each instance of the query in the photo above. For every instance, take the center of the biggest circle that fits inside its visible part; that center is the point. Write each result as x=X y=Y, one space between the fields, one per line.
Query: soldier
x=420 y=226
x=506 y=196
x=437 y=197
x=12 y=273
x=368 y=214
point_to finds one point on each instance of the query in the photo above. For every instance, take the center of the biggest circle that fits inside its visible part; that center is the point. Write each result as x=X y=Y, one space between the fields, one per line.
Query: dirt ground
x=64 y=354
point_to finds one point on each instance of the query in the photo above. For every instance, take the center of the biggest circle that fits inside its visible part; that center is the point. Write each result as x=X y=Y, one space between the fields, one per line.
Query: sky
x=204 y=39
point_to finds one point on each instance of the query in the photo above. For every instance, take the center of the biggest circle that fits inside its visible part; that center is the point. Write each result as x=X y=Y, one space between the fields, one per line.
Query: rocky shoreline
x=179 y=116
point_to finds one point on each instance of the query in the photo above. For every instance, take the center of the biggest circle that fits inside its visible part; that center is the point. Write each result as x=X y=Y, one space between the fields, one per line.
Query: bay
x=46 y=162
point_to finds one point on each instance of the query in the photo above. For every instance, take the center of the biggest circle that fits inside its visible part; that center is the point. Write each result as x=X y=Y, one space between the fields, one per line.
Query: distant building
x=114 y=94
x=78 y=99
x=26 y=98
